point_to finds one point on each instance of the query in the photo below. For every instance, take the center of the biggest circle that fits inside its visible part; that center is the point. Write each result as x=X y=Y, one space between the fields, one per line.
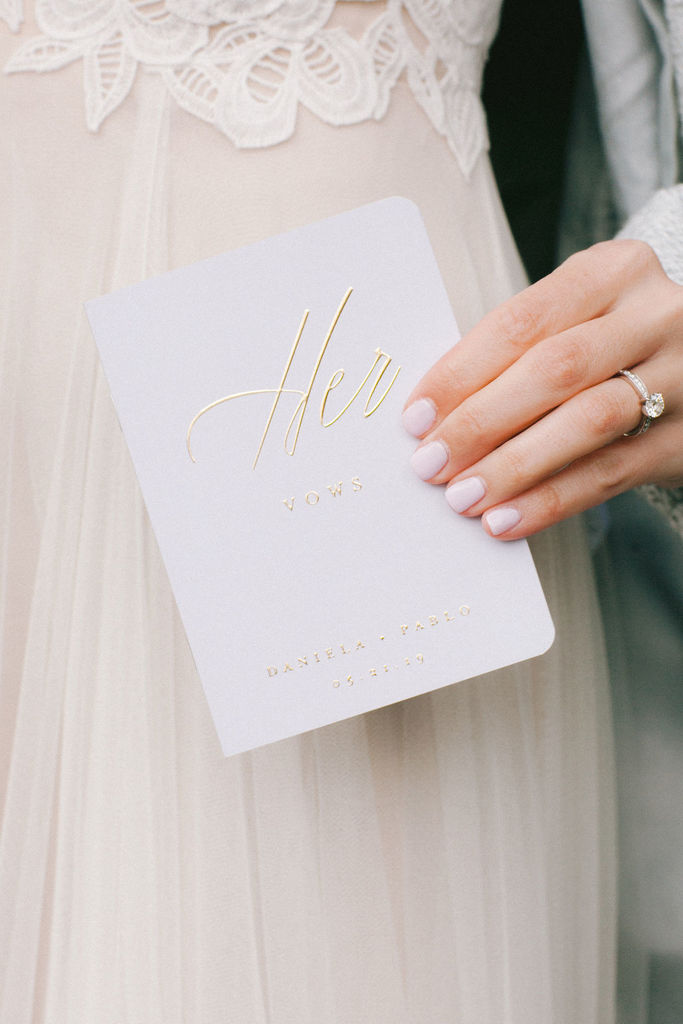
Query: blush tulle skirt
x=449 y=859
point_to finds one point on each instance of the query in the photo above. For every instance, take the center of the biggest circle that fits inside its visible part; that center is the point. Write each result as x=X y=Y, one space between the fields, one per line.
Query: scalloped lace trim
x=245 y=66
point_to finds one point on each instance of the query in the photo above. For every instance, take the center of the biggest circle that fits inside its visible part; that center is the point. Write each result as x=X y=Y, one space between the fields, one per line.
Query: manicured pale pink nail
x=499 y=520
x=419 y=417
x=429 y=459
x=464 y=493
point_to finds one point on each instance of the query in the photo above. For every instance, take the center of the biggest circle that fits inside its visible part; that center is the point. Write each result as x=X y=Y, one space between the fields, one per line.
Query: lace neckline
x=245 y=66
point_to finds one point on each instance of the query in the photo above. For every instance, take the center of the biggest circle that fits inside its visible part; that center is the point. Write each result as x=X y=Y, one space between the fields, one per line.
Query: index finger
x=581 y=289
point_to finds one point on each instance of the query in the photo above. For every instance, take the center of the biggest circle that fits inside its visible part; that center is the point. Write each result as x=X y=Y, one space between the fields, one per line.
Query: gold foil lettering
x=334 y=381
x=279 y=390
x=312 y=497
x=229 y=398
x=329 y=653
x=367 y=411
x=338 y=376
x=303 y=402
x=261 y=391
x=293 y=430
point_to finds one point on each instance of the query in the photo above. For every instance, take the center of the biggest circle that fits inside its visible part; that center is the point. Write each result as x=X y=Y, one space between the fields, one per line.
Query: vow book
x=260 y=393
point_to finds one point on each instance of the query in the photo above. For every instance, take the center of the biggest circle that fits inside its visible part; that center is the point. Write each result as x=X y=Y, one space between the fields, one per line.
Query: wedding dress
x=448 y=859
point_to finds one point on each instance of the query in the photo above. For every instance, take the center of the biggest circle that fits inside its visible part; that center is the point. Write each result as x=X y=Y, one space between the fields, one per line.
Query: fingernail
x=419 y=417
x=499 y=520
x=465 y=492
x=429 y=459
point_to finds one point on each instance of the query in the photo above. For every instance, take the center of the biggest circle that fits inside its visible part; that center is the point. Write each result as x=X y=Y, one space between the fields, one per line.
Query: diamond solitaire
x=652 y=405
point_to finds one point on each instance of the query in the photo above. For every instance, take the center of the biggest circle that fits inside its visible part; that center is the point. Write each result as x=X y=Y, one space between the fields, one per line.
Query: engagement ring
x=652 y=405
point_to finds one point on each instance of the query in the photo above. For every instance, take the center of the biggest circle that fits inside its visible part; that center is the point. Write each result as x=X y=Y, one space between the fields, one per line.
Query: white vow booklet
x=260 y=393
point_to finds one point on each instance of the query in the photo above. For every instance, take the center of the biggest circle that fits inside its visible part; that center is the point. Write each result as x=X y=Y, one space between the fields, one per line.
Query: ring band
x=652 y=405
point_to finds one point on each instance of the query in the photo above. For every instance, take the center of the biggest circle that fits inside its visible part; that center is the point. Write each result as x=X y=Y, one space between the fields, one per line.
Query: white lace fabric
x=245 y=66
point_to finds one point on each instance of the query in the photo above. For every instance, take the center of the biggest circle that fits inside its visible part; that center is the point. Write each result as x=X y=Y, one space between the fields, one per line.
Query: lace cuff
x=660 y=224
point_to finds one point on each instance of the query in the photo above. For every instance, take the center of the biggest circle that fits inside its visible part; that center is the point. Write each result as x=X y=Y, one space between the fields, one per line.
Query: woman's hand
x=524 y=418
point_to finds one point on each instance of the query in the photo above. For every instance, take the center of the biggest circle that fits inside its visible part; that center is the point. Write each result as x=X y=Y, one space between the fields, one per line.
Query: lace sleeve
x=660 y=224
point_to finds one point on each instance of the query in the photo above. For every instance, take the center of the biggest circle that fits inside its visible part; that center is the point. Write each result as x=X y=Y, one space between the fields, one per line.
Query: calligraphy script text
x=379 y=366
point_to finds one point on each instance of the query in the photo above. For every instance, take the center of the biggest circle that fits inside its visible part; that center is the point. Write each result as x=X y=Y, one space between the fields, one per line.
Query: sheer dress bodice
x=246 y=67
